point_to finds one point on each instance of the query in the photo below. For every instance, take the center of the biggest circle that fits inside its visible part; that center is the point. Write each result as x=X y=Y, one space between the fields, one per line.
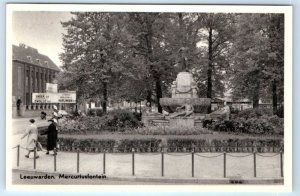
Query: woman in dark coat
x=51 y=136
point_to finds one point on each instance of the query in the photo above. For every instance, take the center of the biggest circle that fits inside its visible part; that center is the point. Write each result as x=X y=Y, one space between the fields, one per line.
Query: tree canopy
x=136 y=56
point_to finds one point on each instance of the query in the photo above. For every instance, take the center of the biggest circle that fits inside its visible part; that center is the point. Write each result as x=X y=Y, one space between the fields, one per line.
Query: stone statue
x=188 y=110
x=183 y=53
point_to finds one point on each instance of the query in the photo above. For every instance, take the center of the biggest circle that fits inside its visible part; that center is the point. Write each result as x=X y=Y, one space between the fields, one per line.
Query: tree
x=93 y=51
x=149 y=44
x=257 y=57
x=212 y=42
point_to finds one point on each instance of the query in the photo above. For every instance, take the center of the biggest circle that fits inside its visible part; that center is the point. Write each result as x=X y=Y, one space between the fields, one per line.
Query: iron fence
x=165 y=151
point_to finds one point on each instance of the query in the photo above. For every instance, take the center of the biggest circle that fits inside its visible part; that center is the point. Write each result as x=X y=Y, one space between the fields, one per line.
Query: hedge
x=168 y=145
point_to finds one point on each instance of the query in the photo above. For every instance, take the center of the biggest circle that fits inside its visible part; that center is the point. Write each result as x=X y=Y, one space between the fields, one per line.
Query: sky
x=40 y=30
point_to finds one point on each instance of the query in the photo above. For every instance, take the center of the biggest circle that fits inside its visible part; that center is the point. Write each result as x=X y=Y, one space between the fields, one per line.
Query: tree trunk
x=209 y=70
x=255 y=97
x=158 y=92
x=149 y=95
x=274 y=95
x=104 y=104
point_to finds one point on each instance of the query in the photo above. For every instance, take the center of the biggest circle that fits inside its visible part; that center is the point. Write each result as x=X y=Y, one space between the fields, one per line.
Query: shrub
x=166 y=130
x=123 y=118
x=140 y=145
x=265 y=124
x=86 y=145
x=168 y=144
x=95 y=112
x=181 y=145
x=254 y=113
x=113 y=121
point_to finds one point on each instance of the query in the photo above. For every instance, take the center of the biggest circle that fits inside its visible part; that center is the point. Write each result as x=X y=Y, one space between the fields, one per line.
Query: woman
x=51 y=136
x=32 y=135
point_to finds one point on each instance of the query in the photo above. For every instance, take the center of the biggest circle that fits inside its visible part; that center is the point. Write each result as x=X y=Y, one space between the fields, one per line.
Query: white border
x=287 y=10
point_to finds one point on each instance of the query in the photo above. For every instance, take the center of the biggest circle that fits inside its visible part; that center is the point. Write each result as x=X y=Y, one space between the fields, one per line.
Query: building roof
x=31 y=55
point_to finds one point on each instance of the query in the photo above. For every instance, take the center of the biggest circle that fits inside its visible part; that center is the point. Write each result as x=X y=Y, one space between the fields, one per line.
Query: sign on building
x=66 y=97
x=51 y=88
x=43 y=98
x=54 y=97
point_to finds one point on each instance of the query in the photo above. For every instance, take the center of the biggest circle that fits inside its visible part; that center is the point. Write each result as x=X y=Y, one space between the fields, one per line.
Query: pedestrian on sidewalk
x=51 y=136
x=32 y=135
x=19 y=102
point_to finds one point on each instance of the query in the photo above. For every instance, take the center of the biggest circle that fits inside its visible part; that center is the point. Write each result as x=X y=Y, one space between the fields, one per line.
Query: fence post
x=133 y=161
x=55 y=160
x=18 y=156
x=162 y=162
x=224 y=164
x=281 y=164
x=254 y=162
x=104 y=161
x=34 y=158
x=78 y=160
x=193 y=162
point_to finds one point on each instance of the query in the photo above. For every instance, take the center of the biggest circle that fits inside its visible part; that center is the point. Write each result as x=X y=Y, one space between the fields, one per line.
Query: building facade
x=30 y=73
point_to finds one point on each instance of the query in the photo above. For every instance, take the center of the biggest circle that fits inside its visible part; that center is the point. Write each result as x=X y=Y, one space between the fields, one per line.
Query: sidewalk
x=19 y=124
x=148 y=165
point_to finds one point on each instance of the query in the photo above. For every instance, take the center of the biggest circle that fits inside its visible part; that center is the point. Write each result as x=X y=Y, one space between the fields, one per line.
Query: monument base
x=181 y=122
x=147 y=119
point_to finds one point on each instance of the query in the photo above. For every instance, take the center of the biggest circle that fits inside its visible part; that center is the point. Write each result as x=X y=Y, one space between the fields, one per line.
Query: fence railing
x=163 y=152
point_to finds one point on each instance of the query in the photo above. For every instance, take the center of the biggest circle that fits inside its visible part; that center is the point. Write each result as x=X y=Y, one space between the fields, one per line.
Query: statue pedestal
x=147 y=119
x=188 y=122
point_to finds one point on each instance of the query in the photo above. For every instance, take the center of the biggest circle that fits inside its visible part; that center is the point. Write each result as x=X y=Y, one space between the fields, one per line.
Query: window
x=41 y=83
x=27 y=79
x=36 y=84
x=19 y=78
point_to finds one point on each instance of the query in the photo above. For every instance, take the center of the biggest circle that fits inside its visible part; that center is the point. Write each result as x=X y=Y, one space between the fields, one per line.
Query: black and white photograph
x=185 y=95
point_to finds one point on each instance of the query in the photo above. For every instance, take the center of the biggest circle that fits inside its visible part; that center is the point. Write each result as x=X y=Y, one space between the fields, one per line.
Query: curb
x=231 y=180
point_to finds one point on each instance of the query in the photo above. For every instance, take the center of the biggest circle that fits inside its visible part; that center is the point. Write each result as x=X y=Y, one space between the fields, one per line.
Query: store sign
x=51 y=88
x=54 y=97
x=66 y=97
x=42 y=98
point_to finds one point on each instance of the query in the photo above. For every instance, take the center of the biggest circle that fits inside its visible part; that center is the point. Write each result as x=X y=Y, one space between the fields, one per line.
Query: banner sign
x=66 y=97
x=54 y=97
x=51 y=88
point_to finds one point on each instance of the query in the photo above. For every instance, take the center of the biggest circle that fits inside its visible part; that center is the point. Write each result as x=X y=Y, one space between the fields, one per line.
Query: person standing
x=19 y=102
x=51 y=136
x=32 y=135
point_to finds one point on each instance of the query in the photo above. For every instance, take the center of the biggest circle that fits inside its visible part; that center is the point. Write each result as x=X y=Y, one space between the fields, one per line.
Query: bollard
x=18 y=156
x=55 y=160
x=34 y=158
x=104 y=161
x=162 y=162
x=193 y=163
x=133 y=161
x=224 y=164
x=77 y=160
x=281 y=164
x=254 y=163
